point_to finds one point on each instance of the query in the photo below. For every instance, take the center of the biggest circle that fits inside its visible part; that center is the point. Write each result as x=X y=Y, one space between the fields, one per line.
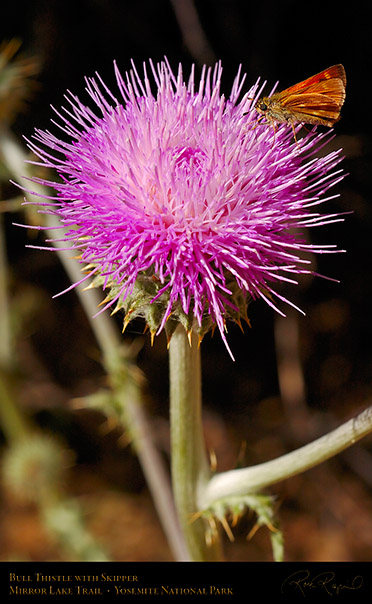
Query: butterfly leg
x=256 y=121
x=294 y=134
x=274 y=128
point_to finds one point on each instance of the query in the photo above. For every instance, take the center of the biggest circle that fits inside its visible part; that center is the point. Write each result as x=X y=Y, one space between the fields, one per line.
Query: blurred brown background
x=258 y=407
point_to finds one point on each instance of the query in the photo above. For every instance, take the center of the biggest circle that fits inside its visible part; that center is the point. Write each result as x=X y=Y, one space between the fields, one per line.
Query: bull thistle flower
x=182 y=205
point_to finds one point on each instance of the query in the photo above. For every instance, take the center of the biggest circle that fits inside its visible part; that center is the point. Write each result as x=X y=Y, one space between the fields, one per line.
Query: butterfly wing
x=317 y=100
x=313 y=109
x=336 y=72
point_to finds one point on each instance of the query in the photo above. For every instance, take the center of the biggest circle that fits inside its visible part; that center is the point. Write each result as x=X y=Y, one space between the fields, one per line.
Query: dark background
x=326 y=513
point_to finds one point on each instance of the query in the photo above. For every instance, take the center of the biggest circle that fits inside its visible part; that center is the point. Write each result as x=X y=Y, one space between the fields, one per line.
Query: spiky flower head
x=182 y=205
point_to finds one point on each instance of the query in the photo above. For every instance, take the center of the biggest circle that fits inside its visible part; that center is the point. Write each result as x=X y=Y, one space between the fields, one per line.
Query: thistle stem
x=190 y=468
x=240 y=482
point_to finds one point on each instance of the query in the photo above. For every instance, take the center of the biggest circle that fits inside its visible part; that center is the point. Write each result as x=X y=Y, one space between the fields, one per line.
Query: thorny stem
x=190 y=469
x=111 y=346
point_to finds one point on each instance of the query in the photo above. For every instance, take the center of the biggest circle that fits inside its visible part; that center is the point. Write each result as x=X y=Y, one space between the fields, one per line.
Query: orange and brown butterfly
x=317 y=100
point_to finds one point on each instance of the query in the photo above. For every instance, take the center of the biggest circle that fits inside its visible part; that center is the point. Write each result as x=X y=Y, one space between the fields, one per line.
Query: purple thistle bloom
x=183 y=193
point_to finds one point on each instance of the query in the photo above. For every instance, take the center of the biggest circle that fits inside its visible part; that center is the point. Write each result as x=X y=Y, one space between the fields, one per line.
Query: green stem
x=240 y=482
x=190 y=468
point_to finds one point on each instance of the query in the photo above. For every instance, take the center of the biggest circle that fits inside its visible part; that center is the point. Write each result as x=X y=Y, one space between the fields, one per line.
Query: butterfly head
x=262 y=105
